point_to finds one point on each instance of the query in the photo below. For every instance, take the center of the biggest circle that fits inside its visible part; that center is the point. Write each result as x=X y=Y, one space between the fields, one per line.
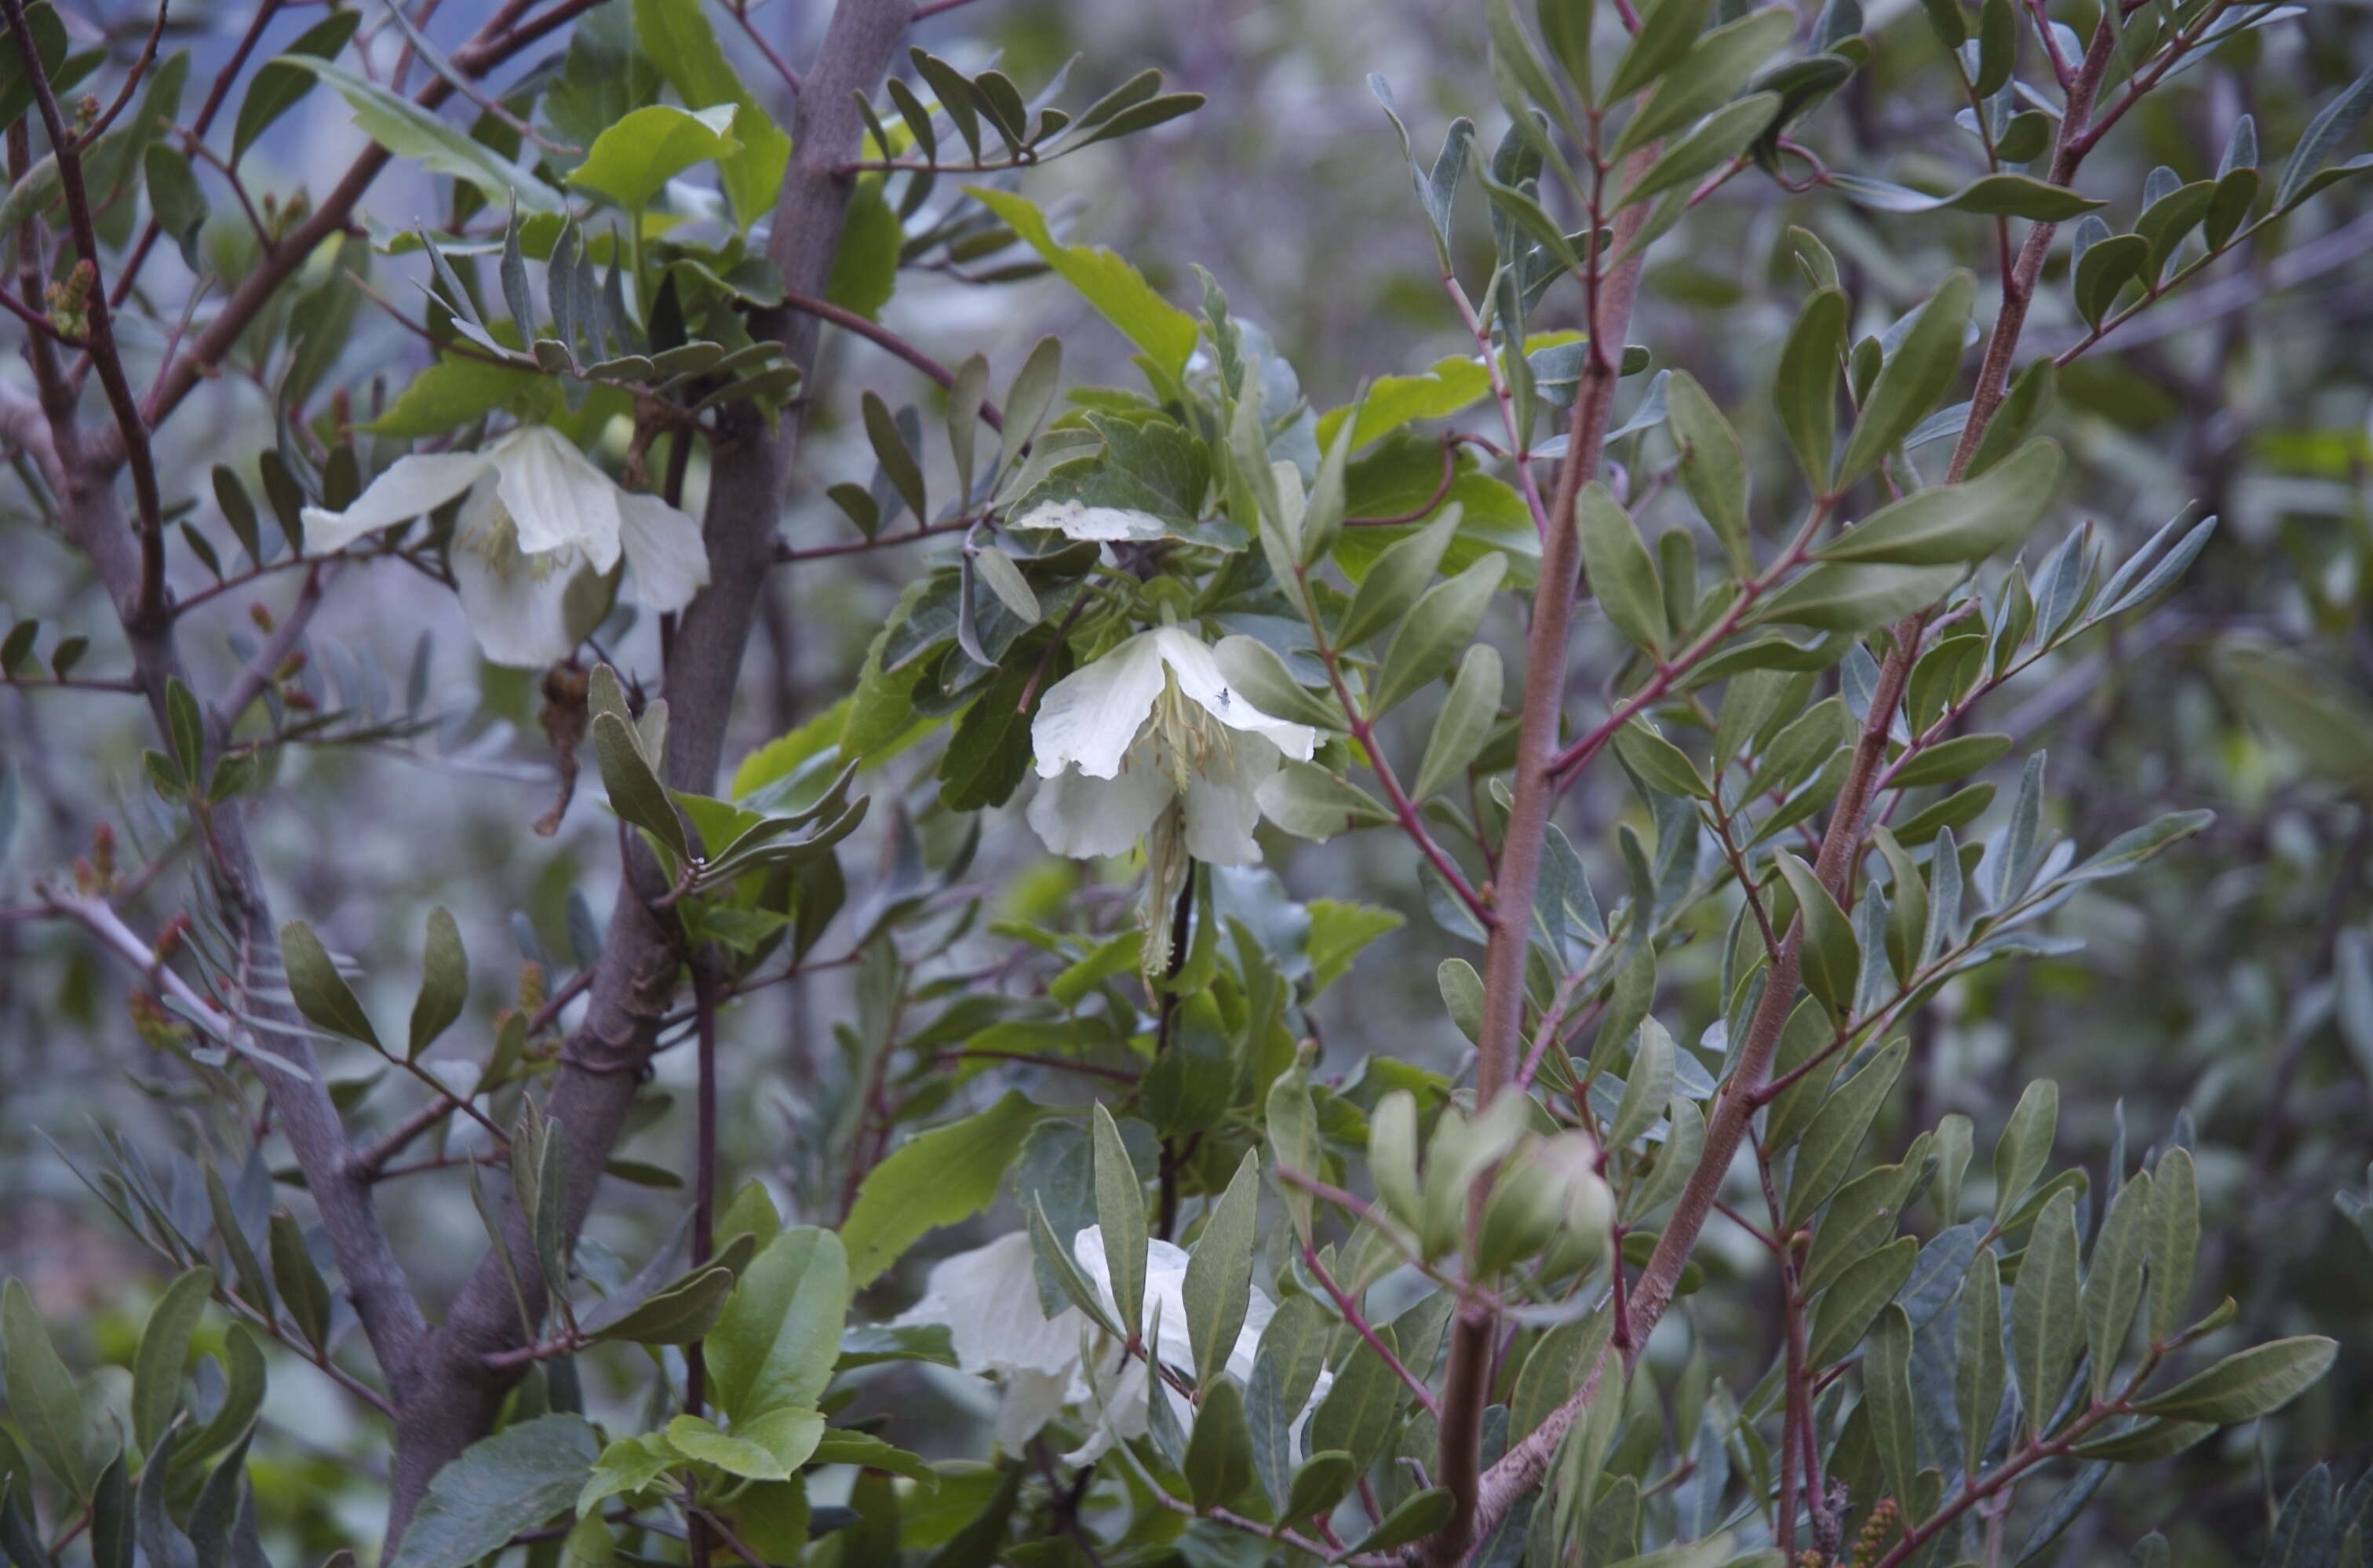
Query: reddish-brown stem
x=1360 y=1326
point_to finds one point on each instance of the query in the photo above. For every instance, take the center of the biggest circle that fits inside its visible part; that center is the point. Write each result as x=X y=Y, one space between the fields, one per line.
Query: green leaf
x=773 y=1347
x=1806 y=389
x=164 y=1353
x=1838 y=1131
x=1415 y=1517
x=1846 y=1308
x=1465 y=723
x=769 y=1447
x=280 y=86
x=2025 y=1144
x=1665 y=36
x=43 y=1399
x=2107 y=267
x=1437 y=628
x=1990 y=196
x=2046 y=1318
x=2152 y=1437
x=1912 y=380
x=2332 y=125
x=1285 y=1370
x=177 y=201
x=1953 y=523
x=676 y=36
x=2113 y=1277
x=522 y=1477
x=320 y=992
x=676 y=1314
x=186 y=725
x=1120 y=1210
x=1978 y=1371
x=1662 y=764
x=1357 y=1414
x=1309 y=801
x=1219 y=1464
x=1218 y=1284
x=408 y=131
x=1393 y=402
x=1648 y=1088
x=1724 y=135
x=444 y=982
x=935 y=1179
x=1254 y=669
x=1712 y=467
x=453 y=392
x=302 y=1291
x=2174 y=1246
x=1118 y=290
x=634 y=790
x=1952 y=759
x=1395 y=580
x=1322 y=1480
x=633 y=160
x=2247 y=1383
x=1887 y=1384
x=1854 y=596
x=1622 y=574
x=1832 y=959
x=1716 y=66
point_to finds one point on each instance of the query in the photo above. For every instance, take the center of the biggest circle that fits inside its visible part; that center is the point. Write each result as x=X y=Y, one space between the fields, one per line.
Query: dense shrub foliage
x=1397 y=902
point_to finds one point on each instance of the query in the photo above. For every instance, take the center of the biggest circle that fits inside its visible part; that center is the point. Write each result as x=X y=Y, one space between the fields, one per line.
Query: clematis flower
x=539 y=536
x=987 y=1300
x=1149 y=727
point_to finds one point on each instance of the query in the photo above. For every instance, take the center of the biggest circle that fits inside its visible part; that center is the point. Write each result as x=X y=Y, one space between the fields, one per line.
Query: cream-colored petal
x=989 y=1300
x=525 y=611
x=1090 y=719
x=412 y=486
x=1108 y=524
x=667 y=562
x=556 y=494
x=1197 y=670
x=1223 y=802
x=1085 y=817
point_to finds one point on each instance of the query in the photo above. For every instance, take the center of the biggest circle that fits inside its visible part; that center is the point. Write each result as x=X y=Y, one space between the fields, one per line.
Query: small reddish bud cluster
x=1884 y=1516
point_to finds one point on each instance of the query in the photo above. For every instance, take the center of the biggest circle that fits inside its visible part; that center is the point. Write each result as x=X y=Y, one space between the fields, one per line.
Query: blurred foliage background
x=2232 y=983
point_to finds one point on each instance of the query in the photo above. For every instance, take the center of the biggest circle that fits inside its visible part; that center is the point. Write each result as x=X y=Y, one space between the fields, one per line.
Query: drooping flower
x=987 y=1299
x=1151 y=726
x=540 y=532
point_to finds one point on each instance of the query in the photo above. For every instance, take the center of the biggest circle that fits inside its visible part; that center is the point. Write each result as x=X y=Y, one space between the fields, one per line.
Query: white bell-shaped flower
x=1152 y=724
x=987 y=1299
x=540 y=532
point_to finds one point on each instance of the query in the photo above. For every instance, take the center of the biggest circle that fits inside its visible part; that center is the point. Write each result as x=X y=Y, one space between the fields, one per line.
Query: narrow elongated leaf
x=405 y=129
x=1713 y=466
x=1912 y=380
x=2046 y=1318
x=1805 y=390
x=444 y=982
x=1120 y=1210
x=1437 y=629
x=2247 y=1383
x=1957 y=522
x=164 y=1351
x=1838 y=1130
x=1978 y=1375
x=1622 y=574
x=1832 y=959
x=1218 y=1288
x=1219 y=1464
x=2113 y=1277
x=2174 y=1248
x=320 y=992
x=43 y=1399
